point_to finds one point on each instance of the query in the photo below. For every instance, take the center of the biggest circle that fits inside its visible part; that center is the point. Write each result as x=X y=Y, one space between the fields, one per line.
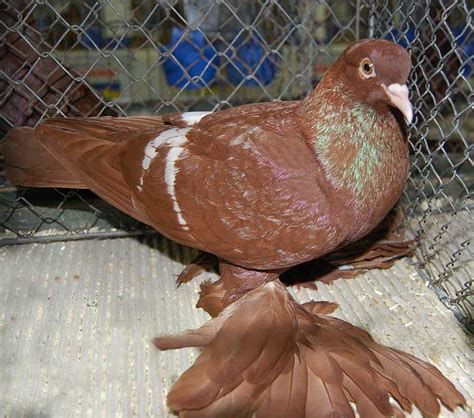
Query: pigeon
x=263 y=187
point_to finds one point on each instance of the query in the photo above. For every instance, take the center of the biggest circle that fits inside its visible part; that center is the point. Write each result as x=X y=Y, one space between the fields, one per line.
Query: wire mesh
x=440 y=186
x=127 y=57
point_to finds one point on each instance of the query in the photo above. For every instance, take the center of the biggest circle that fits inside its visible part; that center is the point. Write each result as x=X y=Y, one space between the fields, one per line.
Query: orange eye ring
x=366 y=68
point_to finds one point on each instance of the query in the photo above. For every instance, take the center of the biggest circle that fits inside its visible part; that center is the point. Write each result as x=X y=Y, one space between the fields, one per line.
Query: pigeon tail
x=265 y=355
x=29 y=164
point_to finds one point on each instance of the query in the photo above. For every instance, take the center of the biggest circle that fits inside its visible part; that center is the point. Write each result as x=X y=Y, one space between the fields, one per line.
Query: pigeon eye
x=367 y=68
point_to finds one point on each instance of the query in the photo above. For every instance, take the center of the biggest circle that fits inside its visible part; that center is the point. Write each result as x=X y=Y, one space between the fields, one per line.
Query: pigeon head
x=376 y=71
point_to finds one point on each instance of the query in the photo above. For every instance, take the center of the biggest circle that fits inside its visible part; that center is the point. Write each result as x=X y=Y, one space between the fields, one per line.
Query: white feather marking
x=345 y=267
x=191 y=118
x=170 y=174
x=172 y=139
x=237 y=141
x=161 y=139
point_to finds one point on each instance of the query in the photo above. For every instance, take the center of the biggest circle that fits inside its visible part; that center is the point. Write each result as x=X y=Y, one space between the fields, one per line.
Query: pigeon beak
x=398 y=96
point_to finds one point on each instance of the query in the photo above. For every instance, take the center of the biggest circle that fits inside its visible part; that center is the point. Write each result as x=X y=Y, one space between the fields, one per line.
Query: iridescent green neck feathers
x=360 y=149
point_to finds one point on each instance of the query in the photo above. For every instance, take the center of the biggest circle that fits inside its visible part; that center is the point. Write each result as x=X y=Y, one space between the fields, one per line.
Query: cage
x=131 y=57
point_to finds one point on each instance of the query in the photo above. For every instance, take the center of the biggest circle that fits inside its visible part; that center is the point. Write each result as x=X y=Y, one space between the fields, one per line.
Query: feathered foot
x=346 y=263
x=212 y=297
x=203 y=262
x=266 y=356
x=377 y=250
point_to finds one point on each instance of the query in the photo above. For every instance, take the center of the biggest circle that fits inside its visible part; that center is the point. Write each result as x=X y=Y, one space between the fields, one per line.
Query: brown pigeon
x=264 y=187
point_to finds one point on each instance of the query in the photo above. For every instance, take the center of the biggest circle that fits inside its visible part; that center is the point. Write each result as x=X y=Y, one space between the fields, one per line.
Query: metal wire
x=119 y=57
x=440 y=187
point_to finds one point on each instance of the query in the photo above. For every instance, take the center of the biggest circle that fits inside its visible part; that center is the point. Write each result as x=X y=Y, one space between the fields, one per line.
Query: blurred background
x=129 y=57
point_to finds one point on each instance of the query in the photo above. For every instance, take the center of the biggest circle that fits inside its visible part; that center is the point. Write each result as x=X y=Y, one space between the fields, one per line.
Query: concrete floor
x=77 y=318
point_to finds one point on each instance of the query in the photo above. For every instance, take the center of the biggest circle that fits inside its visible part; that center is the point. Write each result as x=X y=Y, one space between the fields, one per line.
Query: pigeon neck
x=362 y=150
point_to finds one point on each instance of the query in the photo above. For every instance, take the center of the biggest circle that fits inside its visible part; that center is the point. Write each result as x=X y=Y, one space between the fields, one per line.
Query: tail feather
x=78 y=153
x=267 y=356
x=28 y=163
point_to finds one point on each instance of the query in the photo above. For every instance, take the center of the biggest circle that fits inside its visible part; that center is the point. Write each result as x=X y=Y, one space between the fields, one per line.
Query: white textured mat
x=77 y=319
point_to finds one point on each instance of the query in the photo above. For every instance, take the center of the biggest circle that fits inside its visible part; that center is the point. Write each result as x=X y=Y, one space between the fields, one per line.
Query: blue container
x=404 y=39
x=464 y=41
x=247 y=58
x=93 y=38
x=192 y=53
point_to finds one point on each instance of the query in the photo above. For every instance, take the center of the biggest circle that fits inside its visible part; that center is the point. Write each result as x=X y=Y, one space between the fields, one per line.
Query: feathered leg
x=203 y=262
x=265 y=355
x=377 y=250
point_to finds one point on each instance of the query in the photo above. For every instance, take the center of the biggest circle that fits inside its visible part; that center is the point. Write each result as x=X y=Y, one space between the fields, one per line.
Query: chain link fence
x=128 y=57
x=440 y=187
